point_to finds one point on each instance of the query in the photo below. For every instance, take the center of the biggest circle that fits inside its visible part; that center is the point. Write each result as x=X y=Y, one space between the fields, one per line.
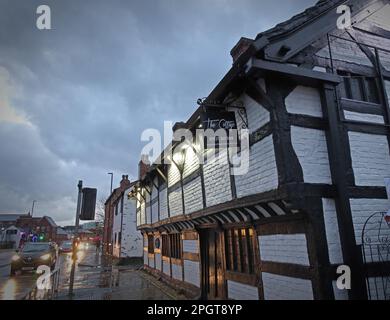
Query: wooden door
x=212 y=264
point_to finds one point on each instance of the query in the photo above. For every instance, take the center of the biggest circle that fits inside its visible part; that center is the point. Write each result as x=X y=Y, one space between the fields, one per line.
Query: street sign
x=88 y=204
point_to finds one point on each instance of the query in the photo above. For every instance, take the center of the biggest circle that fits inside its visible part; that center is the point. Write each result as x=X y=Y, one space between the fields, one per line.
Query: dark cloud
x=86 y=89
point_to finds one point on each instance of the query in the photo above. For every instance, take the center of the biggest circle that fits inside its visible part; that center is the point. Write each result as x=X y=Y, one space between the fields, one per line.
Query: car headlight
x=45 y=256
x=15 y=258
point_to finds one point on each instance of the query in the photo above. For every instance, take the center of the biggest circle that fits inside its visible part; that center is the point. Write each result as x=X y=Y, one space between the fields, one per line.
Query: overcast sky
x=74 y=100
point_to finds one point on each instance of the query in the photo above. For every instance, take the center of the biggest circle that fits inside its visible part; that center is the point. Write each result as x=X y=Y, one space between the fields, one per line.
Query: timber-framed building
x=315 y=99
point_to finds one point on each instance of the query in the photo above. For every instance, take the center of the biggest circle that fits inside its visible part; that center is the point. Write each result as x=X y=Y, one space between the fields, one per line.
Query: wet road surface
x=95 y=279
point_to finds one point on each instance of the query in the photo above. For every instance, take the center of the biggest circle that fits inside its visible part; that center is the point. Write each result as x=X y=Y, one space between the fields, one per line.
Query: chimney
x=125 y=181
x=242 y=45
x=143 y=166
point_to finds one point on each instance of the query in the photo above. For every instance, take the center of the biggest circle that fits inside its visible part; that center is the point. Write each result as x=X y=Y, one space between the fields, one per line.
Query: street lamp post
x=76 y=232
x=32 y=208
x=112 y=177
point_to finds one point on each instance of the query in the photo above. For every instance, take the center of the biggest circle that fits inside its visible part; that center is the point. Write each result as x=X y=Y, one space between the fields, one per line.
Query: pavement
x=98 y=278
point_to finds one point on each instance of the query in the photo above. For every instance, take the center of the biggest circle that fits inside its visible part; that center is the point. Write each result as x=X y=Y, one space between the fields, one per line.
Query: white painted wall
x=116 y=228
x=166 y=268
x=277 y=287
x=192 y=272
x=339 y=294
x=304 y=100
x=370 y=158
x=132 y=240
x=285 y=248
x=257 y=115
x=263 y=174
x=240 y=291
x=362 y=209
x=356 y=116
x=163 y=204
x=190 y=246
x=311 y=149
x=217 y=180
x=377 y=289
x=175 y=202
x=332 y=231
x=193 y=196
x=177 y=272
x=157 y=257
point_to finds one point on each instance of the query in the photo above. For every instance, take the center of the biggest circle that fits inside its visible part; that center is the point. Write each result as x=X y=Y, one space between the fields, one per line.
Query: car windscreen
x=66 y=245
x=35 y=247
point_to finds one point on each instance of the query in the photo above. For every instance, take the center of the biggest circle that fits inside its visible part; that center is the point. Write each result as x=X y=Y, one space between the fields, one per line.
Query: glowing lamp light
x=45 y=256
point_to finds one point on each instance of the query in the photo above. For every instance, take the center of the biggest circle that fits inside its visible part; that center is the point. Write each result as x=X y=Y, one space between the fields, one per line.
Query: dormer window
x=358 y=87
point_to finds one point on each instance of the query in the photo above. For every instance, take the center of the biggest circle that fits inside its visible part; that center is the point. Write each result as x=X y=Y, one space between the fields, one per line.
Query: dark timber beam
x=338 y=165
x=304 y=76
x=289 y=168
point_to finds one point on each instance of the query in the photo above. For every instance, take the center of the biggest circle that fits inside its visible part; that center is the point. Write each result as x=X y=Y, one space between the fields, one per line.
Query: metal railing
x=46 y=294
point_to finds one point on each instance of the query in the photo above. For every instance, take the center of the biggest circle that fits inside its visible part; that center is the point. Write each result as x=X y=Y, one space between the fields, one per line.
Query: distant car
x=66 y=247
x=34 y=254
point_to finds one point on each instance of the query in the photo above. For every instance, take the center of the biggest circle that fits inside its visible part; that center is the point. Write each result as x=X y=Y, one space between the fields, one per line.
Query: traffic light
x=88 y=204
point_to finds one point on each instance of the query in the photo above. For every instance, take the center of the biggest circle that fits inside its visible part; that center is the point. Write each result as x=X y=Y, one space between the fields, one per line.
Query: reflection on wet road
x=17 y=287
x=95 y=279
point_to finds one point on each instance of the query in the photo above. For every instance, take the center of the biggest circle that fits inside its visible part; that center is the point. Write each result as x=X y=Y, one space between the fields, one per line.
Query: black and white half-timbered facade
x=315 y=98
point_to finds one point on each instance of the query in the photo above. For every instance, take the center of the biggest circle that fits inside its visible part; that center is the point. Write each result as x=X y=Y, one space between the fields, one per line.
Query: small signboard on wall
x=216 y=120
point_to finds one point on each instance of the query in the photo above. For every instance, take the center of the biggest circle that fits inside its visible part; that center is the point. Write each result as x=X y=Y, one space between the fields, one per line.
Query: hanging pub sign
x=88 y=204
x=216 y=120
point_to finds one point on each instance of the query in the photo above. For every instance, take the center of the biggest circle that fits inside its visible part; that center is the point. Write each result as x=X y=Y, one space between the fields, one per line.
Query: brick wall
x=239 y=291
x=192 y=272
x=177 y=272
x=166 y=268
x=193 y=196
x=370 y=158
x=304 y=100
x=312 y=151
x=285 y=248
x=277 y=287
x=332 y=231
x=190 y=246
x=356 y=116
x=175 y=202
x=262 y=175
x=132 y=240
x=217 y=180
x=362 y=209
x=173 y=175
x=163 y=204
x=381 y=18
x=257 y=115
x=191 y=164
x=339 y=294
x=376 y=288
x=158 y=261
x=146 y=259
x=345 y=51
x=155 y=212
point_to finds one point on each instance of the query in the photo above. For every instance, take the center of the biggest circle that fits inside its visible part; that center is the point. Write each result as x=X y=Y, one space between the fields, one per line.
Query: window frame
x=150 y=244
x=350 y=92
x=240 y=255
